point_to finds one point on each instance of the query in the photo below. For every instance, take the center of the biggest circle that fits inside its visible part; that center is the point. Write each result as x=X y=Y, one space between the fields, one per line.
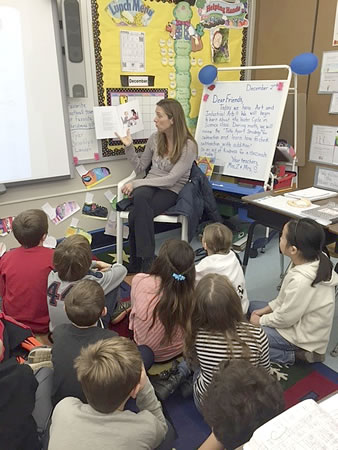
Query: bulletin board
x=150 y=46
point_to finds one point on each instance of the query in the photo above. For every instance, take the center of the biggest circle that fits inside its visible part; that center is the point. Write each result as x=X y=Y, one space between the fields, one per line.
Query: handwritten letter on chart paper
x=238 y=125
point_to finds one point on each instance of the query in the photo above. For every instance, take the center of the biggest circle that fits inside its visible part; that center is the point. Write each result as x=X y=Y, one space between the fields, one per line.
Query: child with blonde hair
x=217 y=240
x=110 y=372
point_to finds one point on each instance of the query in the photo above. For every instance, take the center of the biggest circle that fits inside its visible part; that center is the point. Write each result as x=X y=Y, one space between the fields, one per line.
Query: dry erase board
x=238 y=125
x=34 y=128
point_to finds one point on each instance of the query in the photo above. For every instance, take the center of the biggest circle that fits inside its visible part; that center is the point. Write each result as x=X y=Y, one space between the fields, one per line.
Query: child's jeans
x=111 y=300
x=184 y=368
x=281 y=351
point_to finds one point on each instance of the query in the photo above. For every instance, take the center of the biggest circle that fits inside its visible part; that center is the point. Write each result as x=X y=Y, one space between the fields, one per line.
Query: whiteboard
x=238 y=125
x=34 y=128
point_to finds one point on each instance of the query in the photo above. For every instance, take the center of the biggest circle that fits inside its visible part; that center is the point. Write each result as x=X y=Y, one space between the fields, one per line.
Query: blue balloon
x=207 y=74
x=304 y=64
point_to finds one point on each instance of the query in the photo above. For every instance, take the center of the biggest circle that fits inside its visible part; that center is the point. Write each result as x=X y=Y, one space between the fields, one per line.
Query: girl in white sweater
x=299 y=321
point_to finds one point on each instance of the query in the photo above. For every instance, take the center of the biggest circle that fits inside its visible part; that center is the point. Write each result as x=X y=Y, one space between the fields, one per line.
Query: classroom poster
x=173 y=41
x=329 y=73
x=324 y=144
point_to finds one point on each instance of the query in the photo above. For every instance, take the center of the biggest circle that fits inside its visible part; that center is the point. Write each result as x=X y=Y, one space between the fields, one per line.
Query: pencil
x=278 y=191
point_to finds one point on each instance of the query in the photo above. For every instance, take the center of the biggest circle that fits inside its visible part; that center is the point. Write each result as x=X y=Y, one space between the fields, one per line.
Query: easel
x=244 y=191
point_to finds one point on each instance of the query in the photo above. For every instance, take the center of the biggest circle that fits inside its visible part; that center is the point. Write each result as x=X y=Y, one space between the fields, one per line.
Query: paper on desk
x=280 y=203
x=311 y=193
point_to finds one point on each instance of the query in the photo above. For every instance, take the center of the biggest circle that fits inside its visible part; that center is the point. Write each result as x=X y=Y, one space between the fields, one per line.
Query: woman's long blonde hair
x=181 y=133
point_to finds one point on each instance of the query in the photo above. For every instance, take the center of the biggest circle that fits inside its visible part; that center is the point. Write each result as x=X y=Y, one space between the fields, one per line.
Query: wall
x=19 y=198
x=284 y=30
x=318 y=104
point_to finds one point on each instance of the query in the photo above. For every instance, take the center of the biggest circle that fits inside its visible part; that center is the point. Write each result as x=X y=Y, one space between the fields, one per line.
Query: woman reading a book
x=169 y=155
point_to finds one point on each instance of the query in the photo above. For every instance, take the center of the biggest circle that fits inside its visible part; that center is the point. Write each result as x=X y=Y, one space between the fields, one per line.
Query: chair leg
x=184 y=230
x=119 y=239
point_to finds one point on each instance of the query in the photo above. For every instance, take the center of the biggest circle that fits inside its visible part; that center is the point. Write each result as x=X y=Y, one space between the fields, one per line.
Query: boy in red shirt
x=24 y=272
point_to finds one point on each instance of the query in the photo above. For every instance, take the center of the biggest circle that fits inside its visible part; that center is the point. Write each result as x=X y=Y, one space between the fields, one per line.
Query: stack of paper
x=312 y=194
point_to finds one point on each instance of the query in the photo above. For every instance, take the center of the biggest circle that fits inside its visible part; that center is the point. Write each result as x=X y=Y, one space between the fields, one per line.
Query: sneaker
x=40 y=357
x=165 y=374
x=120 y=312
x=95 y=210
x=165 y=385
x=310 y=357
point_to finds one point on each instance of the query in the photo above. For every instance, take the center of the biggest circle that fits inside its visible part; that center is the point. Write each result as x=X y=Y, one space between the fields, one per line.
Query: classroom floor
x=262 y=278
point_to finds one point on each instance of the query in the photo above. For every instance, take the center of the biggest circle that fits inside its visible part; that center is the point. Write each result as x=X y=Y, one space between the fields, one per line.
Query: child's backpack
x=19 y=342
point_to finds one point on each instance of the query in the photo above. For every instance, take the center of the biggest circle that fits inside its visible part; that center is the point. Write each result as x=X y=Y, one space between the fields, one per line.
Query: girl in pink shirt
x=162 y=300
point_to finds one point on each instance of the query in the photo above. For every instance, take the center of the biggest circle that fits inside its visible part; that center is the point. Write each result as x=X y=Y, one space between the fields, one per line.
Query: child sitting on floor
x=84 y=305
x=217 y=240
x=73 y=262
x=220 y=332
x=24 y=272
x=239 y=400
x=162 y=300
x=110 y=372
x=299 y=321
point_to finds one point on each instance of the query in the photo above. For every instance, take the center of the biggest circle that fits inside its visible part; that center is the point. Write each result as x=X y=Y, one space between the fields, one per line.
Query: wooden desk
x=276 y=219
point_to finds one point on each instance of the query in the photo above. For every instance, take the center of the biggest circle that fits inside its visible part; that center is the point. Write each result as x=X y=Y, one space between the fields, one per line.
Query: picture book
x=114 y=121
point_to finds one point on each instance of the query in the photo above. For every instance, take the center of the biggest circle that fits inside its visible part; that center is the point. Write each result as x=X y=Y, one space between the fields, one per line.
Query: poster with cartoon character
x=179 y=39
x=220 y=45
